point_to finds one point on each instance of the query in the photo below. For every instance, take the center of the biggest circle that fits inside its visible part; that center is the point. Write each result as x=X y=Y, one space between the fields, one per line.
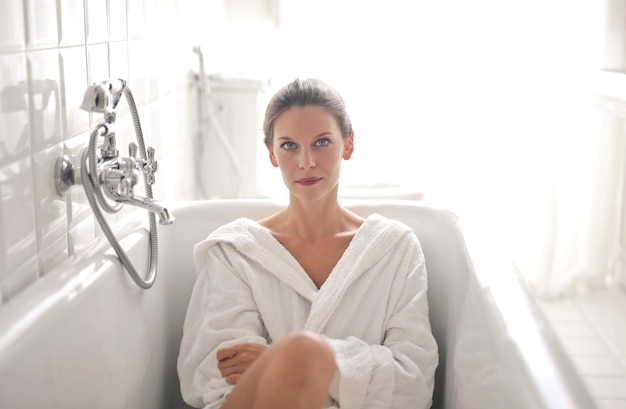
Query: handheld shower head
x=103 y=97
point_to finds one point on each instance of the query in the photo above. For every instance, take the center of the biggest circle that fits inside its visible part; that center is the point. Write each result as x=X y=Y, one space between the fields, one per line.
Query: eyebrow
x=287 y=137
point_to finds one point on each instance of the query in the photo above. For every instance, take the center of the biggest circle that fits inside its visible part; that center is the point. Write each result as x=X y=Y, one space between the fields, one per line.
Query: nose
x=306 y=160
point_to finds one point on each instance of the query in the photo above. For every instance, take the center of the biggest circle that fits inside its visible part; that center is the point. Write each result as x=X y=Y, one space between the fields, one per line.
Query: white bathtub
x=85 y=336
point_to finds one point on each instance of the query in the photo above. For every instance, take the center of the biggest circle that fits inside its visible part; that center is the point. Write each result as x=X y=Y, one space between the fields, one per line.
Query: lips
x=308 y=181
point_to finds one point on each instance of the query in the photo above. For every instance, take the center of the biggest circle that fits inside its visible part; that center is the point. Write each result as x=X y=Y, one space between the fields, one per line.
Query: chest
x=318 y=259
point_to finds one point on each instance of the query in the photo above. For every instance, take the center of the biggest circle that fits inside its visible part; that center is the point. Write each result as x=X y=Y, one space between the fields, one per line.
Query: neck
x=315 y=219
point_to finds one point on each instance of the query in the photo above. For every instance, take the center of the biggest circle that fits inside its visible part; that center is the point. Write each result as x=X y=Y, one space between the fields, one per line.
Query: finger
x=226 y=352
x=228 y=365
x=236 y=364
x=240 y=360
x=225 y=372
x=232 y=379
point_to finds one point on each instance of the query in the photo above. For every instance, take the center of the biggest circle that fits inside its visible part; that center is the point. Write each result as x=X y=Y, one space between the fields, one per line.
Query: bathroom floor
x=592 y=329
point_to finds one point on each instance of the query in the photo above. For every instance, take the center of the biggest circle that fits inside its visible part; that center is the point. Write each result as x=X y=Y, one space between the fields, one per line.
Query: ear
x=348 y=146
x=272 y=157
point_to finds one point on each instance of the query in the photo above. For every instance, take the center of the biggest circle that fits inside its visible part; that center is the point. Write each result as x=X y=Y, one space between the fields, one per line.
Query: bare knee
x=295 y=372
x=308 y=353
x=308 y=344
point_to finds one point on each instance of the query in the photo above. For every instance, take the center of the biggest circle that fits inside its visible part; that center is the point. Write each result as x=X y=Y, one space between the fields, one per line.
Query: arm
x=221 y=312
x=399 y=373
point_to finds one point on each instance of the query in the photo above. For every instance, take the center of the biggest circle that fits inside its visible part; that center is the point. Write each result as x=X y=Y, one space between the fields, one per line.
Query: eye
x=289 y=146
x=322 y=142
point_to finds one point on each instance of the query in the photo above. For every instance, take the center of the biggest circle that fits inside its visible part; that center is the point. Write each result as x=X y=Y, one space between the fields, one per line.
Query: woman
x=313 y=306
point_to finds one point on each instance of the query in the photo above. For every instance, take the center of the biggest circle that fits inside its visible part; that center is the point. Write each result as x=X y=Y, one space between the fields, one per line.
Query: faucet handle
x=132 y=150
x=125 y=188
x=151 y=166
x=150 y=153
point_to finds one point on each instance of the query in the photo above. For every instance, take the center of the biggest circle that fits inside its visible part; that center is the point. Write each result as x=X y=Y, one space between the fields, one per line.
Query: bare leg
x=293 y=373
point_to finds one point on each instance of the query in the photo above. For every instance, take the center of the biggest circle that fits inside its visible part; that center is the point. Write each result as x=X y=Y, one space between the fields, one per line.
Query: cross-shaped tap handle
x=152 y=165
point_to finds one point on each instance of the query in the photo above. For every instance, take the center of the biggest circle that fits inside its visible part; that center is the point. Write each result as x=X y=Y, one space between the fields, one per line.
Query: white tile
x=573 y=329
x=158 y=76
x=50 y=209
x=168 y=132
x=117 y=20
x=17 y=215
x=14 y=127
x=598 y=365
x=53 y=255
x=606 y=387
x=154 y=18
x=74 y=80
x=97 y=71
x=118 y=60
x=174 y=76
x=19 y=278
x=139 y=68
x=136 y=22
x=98 y=63
x=599 y=357
x=616 y=330
x=81 y=235
x=599 y=306
x=618 y=347
x=45 y=98
x=186 y=117
x=585 y=346
x=72 y=16
x=12 y=35
x=41 y=23
x=561 y=311
x=611 y=403
x=97 y=21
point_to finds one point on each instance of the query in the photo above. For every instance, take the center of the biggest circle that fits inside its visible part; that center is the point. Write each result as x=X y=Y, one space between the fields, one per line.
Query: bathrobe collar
x=255 y=242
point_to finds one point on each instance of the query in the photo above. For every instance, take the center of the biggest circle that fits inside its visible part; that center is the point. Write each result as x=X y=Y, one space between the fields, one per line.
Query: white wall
x=49 y=52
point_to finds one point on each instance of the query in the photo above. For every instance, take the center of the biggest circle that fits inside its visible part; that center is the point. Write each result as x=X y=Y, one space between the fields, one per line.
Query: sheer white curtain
x=573 y=237
x=485 y=106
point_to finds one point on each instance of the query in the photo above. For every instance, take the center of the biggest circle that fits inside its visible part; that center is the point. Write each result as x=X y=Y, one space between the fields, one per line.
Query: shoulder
x=384 y=233
x=378 y=222
x=241 y=236
x=240 y=233
x=274 y=223
x=238 y=226
x=399 y=236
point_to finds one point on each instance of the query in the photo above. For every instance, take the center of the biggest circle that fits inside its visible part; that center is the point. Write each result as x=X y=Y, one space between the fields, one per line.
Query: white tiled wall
x=49 y=52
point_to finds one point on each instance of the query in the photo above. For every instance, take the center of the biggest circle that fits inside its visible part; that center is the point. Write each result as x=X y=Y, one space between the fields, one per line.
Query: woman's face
x=308 y=148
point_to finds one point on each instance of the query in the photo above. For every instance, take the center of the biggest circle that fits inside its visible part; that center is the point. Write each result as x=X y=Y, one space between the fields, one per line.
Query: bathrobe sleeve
x=400 y=372
x=221 y=312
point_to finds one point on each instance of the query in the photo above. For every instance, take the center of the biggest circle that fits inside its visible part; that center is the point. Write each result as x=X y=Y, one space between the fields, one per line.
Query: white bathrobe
x=372 y=310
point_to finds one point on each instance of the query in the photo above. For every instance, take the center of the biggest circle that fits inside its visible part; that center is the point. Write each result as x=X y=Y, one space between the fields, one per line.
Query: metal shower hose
x=94 y=195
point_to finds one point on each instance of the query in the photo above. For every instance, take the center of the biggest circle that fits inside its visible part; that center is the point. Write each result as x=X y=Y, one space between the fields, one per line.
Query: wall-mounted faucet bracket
x=63 y=175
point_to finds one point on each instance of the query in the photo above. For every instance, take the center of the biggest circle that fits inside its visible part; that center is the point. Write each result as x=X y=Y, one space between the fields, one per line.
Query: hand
x=233 y=360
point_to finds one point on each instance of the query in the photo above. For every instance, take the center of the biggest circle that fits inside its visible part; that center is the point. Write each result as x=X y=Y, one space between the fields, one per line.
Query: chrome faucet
x=111 y=176
x=116 y=176
x=119 y=176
